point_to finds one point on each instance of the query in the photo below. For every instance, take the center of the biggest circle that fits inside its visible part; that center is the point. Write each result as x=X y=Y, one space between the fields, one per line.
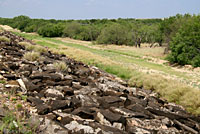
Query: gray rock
x=50 y=127
x=53 y=93
x=75 y=127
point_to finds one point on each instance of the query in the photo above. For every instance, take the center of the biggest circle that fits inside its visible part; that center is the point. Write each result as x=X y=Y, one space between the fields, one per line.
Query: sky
x=97 y=9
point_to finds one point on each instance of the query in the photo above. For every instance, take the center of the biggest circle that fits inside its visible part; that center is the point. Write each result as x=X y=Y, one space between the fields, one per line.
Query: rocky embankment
x=85 y=100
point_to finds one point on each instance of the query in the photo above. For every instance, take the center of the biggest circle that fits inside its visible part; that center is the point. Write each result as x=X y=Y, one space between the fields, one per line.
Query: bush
x=51 y=30
x=31 y=28
x=72 y=30
x=88 y=33
x=185 y=46
x=113 y=34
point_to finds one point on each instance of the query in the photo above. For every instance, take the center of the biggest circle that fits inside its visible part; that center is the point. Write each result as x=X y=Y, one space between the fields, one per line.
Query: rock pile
x=85 y=100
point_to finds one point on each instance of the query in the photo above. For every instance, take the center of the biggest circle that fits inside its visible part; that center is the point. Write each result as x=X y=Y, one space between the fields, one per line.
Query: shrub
x=185 y=46
x=72 y=30
x=113 y=34
x=4 y=39
x=51 y=30
x=31 y=28
x=60 y=66
x=32 y=56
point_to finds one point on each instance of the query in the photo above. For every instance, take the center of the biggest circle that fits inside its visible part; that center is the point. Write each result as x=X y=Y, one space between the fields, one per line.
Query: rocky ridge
x=83 y=99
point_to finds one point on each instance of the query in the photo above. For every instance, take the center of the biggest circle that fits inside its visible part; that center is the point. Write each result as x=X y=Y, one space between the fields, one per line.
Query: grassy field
x=142 y=67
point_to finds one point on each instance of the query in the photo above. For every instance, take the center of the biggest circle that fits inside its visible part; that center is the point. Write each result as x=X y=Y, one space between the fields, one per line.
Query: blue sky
x=89 y=9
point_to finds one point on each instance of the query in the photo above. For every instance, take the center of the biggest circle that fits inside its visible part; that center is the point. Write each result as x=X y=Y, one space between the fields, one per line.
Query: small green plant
x=19 y=106
x=32 y=56
x=2 y=81
x=9 y=123
x=12 y=124
x=61 y=66
x=4 y=39
x=23 y=97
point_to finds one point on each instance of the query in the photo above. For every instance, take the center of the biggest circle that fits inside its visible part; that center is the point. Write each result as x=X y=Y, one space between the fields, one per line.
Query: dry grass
x=24 y=43
x=82 y=55
x=32 y=56
x=1 y=29
x=60 y=66
x=4 y=39
x=172 y=91
x=31 y=47
x=145 y=50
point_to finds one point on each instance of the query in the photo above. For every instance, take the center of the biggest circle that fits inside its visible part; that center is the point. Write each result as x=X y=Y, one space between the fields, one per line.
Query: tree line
x=180 y=33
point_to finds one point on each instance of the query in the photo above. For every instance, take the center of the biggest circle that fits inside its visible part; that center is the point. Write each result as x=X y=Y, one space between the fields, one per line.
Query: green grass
x=46 y=44
x=117 y=70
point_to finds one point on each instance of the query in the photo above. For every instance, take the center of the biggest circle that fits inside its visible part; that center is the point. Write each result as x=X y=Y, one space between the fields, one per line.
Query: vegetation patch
x=172 y=91
x=4 y=39
x=31 y=47
x=32 y=56
x=60 y=66
x=185 y=46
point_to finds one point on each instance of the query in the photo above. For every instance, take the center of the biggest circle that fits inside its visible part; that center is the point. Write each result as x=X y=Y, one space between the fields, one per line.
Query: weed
x=60 y=66
x=2 y=81
x=4 y=39
x=40 y=49
x=19 y=106
x=32 y=56
x=12 y=124
x=24 y=97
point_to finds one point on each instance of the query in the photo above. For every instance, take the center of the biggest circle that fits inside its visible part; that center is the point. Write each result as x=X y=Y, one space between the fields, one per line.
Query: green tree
x=21 y=22
x=113 y=34
x=72 y=30
x=51 y=30
x=185 y=45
